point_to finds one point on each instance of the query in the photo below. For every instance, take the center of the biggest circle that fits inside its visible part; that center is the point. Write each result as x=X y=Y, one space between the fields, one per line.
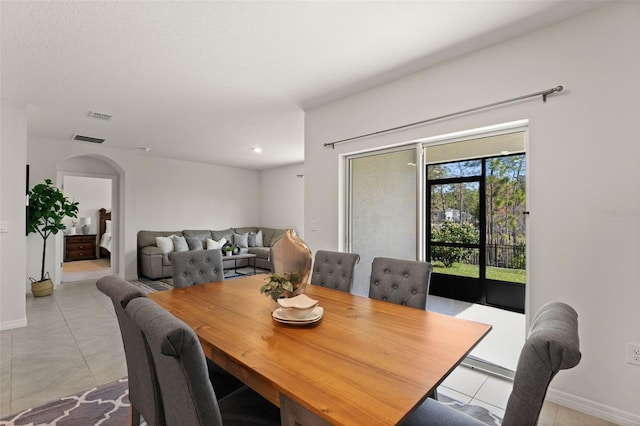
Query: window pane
x=453 y=170
x=454 y=212
x=505 y=195
x=464 y=261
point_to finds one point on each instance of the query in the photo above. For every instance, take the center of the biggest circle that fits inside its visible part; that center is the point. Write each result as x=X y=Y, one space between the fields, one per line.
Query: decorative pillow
x=241 y=240
x=179 y=243
x=255 y=239
x=165 y=244
x=107 y=227
x=213 y=244
x=194 y=243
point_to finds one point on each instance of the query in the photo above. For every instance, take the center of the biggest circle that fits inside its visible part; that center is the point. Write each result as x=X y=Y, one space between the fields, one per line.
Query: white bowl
x=297 y=307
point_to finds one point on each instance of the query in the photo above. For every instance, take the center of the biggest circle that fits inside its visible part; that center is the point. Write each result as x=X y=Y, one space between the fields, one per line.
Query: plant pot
x=42 y=288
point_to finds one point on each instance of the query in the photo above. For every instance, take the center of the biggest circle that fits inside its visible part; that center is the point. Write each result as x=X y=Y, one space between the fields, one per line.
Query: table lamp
x=85 y=222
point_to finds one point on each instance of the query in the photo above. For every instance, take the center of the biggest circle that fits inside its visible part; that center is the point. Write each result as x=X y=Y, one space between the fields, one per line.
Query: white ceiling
x=208 y=81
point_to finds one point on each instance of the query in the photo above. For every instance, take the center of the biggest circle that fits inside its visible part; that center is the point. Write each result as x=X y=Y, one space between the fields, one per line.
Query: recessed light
x=144 y=148
x=257 y=150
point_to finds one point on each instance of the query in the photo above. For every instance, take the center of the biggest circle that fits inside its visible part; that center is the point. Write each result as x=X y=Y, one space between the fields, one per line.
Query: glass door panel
x=455 y=228
x=382 y=209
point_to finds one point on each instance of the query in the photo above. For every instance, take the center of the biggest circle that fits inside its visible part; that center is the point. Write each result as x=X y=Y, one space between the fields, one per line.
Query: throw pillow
x=213 y=244
x=241 y=240
x=194 y=243
x=255 y=239
x=179 y=243
x=165 y=244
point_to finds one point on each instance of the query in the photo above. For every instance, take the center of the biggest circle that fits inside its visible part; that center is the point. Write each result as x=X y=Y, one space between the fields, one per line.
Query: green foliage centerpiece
x=47 y=208
x=282 y=285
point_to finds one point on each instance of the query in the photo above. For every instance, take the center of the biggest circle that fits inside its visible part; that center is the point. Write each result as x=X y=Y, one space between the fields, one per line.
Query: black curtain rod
x=543 y=93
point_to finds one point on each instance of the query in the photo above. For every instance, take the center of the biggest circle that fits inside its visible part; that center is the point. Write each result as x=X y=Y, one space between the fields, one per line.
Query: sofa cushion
x=148 y=238
x=225 y=233
x=246 y=229
x=241 y=240
x=194 y=243
x=165 y=244
x=255 y=239
x=151 y=251
x=179 y=243
x=201 y=234
x=213 y=244
x=271 y=235
x=261 y=252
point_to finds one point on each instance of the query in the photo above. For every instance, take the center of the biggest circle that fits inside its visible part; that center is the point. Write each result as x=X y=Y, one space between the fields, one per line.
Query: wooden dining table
x=366 y=362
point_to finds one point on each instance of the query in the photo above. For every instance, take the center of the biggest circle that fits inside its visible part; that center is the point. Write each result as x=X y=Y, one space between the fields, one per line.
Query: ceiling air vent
x=99 y=115
x=82 y=138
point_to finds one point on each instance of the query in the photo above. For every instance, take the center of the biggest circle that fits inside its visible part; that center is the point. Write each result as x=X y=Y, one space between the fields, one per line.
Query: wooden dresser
x=79 y=247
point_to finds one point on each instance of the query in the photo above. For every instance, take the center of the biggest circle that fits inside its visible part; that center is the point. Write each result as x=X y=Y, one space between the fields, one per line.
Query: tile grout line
x=73 y=336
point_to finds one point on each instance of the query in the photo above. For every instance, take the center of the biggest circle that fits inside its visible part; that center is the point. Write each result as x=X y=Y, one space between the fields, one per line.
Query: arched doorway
x=85 y=170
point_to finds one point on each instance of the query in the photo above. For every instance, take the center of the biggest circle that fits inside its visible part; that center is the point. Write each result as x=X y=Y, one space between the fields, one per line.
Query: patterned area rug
x=149 y=286
x=108 y=405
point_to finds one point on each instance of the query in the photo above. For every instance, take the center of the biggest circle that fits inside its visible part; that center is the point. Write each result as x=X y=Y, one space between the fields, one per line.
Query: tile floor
x=73 y=343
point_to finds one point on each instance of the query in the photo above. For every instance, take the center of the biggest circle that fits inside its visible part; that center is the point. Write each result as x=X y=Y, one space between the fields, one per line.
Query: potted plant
x=282 y=285
x=228 y=250
x=47 y=208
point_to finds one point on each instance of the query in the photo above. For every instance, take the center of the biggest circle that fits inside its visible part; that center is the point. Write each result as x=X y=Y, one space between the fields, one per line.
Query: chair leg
x=134 y=416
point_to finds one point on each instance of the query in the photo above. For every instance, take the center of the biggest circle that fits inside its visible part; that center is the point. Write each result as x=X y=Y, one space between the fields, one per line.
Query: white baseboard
x=593 y=408
x=7 y=325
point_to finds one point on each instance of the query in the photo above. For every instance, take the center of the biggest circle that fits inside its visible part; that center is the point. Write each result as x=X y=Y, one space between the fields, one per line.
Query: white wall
x=158 y=194
x=92 y=194
x=13 y=160
x=282 y=198
x=584 y=176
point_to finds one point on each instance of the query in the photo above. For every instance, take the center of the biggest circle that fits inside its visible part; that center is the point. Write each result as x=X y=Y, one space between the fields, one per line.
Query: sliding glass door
x=462 y=207
x=382 y=205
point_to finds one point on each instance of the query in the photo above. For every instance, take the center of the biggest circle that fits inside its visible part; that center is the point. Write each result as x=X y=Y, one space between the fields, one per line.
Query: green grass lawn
x=493 y=273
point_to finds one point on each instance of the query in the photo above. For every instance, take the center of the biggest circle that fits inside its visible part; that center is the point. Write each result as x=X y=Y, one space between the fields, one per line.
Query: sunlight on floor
x=85 y=269
x=503 y=343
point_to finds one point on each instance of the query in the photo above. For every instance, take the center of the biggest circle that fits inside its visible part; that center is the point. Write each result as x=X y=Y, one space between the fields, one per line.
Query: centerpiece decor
x=291 y=265
x=47 y=208
x=283 y=285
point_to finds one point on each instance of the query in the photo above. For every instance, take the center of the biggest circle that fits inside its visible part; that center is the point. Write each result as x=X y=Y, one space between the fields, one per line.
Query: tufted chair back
x=405 y=282
x=187 y=392
x=552 y=345
x=334 y=269
x=196 y=267
x=144 y=390
x=188 y=395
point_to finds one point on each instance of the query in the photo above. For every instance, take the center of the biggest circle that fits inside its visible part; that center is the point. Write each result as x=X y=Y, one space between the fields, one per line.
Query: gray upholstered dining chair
x=196 y=267
x=188 y=394
x=405 y=282
x=144 y=391
x=552 y=345
x=333 y=269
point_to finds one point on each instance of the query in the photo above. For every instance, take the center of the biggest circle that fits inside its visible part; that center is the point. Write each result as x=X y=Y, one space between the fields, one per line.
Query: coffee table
x=235 y=258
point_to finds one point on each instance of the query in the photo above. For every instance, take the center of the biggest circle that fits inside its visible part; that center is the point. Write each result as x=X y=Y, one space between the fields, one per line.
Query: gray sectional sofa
x=154 y=264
